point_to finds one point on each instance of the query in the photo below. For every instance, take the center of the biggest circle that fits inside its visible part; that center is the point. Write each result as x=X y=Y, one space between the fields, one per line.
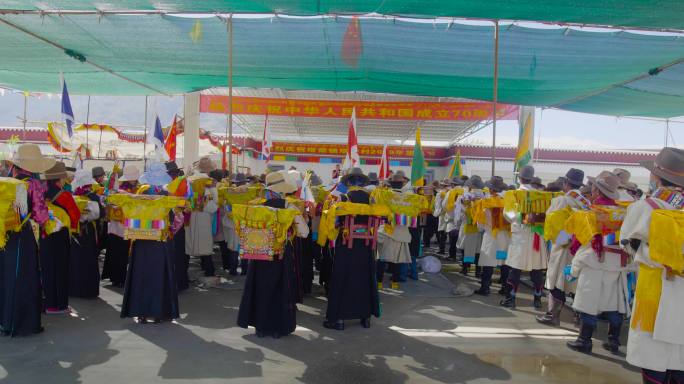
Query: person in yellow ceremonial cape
x=469 y=236
x=452 y=224
x=439 y=213
x=84 y=267
x=559 y=255
x=495 y=237
x=656 y=340
x=21 y=297
x=393 y=246
x=353 y=290
x=56 y=244
x=269 y=296
x=150 y=291
x=600 y=268
x=527 y=250
x=116 y=256
x=199 y=234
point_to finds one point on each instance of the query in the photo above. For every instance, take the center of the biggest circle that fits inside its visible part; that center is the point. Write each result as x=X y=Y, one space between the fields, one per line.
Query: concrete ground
x=425 y=335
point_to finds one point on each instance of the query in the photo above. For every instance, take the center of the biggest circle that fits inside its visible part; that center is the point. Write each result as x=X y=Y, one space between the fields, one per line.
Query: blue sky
x=558 y=129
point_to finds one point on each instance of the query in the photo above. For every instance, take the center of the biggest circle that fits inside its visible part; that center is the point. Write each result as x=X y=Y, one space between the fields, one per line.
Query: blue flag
x=158 y=136
x=67 y=112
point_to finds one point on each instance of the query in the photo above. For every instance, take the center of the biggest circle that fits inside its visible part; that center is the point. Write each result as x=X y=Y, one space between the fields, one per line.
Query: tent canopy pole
x=495 y=95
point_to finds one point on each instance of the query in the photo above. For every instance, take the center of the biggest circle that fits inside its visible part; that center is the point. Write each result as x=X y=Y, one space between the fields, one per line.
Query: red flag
x=352 y=158
x=170 y=144
x=384 y=164
x=266 y=143
x=352 y=45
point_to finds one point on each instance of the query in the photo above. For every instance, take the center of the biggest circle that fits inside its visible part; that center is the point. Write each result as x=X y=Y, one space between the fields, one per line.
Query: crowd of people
x=62 y=220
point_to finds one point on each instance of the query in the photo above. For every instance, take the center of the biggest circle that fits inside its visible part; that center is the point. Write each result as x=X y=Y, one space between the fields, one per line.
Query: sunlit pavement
x=425 y=335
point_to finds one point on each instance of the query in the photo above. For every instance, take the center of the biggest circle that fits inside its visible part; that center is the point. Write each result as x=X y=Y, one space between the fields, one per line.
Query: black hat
x=98 y=172
x=475 y=182
x=172 y=167
x=496 y=184
x=575 y=177
x=238 y=178
x=526 y=172
x=354 y=173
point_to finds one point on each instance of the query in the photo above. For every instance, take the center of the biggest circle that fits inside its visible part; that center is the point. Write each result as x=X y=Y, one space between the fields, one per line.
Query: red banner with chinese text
x=337 y=150
x=384 y=110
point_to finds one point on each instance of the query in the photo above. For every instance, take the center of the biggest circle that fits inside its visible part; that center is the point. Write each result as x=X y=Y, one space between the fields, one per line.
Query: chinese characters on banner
x=463 y=111
x=339 y=150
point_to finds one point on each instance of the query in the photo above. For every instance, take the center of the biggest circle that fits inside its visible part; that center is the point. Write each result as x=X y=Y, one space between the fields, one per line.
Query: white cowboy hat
x=29 y=158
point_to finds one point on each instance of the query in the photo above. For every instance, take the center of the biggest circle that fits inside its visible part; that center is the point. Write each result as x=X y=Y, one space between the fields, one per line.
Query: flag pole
x=229 y=134
x=145 y=137
x=24 y=119
x=87 y=128
x=496 y=92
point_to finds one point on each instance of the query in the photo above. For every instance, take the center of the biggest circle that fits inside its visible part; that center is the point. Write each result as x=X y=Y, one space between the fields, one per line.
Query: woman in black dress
x=269 y=296
x=55 y=246
x=353 y=292
x=150 y=292
x=84 y=268
x=20 y=291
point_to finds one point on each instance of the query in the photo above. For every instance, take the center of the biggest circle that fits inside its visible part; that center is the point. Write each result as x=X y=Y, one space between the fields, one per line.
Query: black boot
x=537 y=302
x=366 y=322
x=552 y=317
x=613 y=343
x=483 y=291
x=583 y=343
x=338 y=325
x=508 y=302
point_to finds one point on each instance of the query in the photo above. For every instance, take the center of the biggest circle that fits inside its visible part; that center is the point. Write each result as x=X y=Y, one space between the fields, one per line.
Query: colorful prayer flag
x=170 y=144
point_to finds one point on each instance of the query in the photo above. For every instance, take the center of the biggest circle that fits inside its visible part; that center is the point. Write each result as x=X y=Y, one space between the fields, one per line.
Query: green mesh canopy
x=628 y=13
x=599 y=72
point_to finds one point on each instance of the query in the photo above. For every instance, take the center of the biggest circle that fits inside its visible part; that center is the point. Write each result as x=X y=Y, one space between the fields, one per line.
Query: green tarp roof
x=574 y=70
x=629 y=13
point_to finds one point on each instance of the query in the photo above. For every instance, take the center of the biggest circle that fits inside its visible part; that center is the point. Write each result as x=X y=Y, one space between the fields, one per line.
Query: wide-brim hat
x=526 y=172
x=354 y=173
x=29 y=158
x=172 y=167
x=475 y=182
x=57 y=172
x=372 y=177
x=98 y=172
x=206 y=165
x=279 y=182
x=130 y=173
x=537 y=181
x=574 y=177
x=155 y=175
x=238 y=178
x=623 y=175
x=669 y=165
x=496 y=184
x=457 y=182
x=82 y=178
x=607 y=183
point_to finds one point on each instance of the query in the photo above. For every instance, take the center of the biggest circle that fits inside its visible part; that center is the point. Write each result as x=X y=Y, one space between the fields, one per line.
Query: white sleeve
x=93 y=212
x=301 y=227
x=212 y=205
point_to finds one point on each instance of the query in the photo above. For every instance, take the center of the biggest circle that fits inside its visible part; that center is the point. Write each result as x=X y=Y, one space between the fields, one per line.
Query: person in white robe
x=495 y=239
x=559 y=255
x=656 y=337
x=526 y=251
x=600 y=269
